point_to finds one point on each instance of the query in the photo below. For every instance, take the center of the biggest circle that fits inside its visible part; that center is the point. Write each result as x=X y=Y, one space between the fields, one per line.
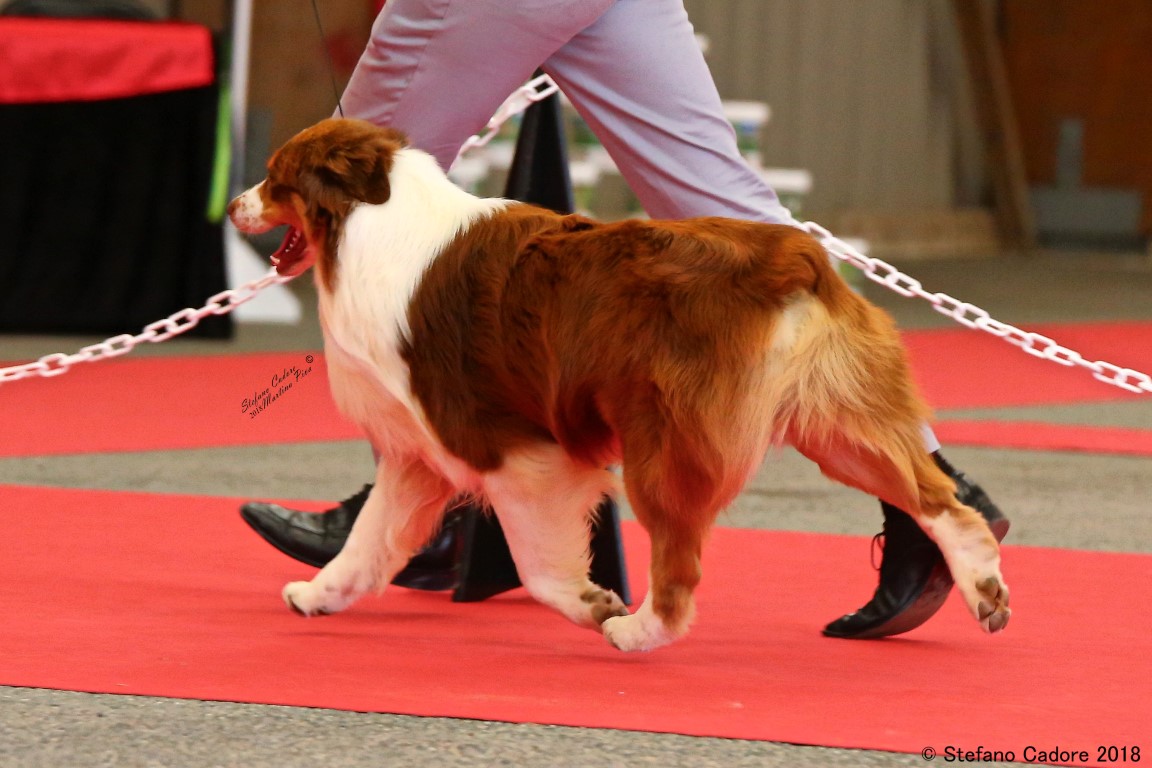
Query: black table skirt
x=103 y=213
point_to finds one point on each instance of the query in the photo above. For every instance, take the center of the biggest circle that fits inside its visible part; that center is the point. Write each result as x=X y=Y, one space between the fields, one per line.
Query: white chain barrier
x=876 y=270
x=161 y=330
x=971 y=316
x=536 y=89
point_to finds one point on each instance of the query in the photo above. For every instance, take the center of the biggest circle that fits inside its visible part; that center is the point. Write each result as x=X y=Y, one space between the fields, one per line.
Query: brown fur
x=638 y=341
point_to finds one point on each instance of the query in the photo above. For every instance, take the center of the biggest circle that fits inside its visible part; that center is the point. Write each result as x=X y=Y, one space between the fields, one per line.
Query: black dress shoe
x=436 y=567
x=914 y=579
x=315 y=538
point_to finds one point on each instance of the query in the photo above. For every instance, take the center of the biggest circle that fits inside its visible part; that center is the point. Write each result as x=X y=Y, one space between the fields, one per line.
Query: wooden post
x=993 y=100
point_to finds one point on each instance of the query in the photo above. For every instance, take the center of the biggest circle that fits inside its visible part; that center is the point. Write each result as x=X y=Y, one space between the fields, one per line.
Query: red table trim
x=57 y=60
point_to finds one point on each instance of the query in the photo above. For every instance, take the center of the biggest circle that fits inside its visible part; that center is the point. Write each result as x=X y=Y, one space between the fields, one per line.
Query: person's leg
x=639 y=79
x=315 y=538
x=438 y=69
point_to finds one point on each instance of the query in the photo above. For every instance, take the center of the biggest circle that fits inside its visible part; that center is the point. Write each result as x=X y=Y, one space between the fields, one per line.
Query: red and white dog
x=498 y=349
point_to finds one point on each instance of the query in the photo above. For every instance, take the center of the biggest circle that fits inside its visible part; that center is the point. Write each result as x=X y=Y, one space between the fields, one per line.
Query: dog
x=497 y=349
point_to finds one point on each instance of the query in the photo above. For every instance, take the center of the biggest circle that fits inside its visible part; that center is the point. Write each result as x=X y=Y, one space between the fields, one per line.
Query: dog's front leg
x=401 y=513
x=545 y=501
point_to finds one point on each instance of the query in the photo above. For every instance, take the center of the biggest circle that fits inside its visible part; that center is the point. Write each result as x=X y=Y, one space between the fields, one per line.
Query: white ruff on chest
x=384 y=252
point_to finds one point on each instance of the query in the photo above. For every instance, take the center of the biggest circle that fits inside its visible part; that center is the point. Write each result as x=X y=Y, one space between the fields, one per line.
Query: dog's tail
x=842 y=375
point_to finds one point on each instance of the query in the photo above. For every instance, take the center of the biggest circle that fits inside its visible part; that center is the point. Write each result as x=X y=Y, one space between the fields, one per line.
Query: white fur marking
x=975 y=565
x=643 y=630
x=384 y=252
x=248 y=213
x=544 y=501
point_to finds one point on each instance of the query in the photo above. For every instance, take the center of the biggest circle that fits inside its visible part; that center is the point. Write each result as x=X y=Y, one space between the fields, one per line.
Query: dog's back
x=735 y=333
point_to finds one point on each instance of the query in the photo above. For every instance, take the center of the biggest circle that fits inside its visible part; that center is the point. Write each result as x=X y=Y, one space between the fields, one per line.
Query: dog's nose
x=232 y=206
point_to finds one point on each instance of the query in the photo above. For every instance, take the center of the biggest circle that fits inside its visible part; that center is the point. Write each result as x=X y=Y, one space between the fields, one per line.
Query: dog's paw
x=992 y=604
x=973 y=556
x=634 y=633
x=305 y=599
x=604 y=604
x=987 y=599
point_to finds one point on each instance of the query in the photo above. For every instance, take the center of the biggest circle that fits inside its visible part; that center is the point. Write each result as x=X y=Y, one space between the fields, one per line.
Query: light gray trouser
x=438 y=70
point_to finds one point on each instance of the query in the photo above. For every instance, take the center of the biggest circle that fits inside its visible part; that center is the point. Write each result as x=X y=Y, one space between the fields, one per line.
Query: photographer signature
x=282 y=382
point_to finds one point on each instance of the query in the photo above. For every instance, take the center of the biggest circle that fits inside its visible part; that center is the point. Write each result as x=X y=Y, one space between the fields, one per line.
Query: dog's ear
x=358 y=166
x=351 y=166
x=334 y=165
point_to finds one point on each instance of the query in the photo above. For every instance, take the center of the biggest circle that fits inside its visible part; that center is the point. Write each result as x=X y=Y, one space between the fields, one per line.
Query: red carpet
x=962 y=368
x=1040 y=436
x=194 y=402
x=121 y=593
x=163 y=403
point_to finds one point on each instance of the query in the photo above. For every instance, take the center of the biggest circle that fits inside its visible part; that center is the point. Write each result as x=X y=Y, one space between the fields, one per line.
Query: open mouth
x=289 y=257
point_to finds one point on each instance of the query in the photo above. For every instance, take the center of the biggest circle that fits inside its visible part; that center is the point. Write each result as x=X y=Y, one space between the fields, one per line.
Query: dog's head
x=314 y=181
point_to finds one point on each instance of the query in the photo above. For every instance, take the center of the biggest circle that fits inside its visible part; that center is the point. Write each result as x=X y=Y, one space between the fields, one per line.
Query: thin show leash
x=328 y=58
x=876 y=270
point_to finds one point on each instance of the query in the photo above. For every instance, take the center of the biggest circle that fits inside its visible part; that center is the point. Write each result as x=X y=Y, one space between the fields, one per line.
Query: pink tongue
x=285 y=254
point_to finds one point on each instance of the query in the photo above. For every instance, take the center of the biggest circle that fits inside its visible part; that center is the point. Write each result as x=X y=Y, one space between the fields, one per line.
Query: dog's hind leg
x=545 y=501
x=402 y=512
x=845 y=398
x=912 y=482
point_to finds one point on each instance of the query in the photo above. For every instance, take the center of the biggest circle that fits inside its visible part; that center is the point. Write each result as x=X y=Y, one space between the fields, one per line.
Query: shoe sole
x=927 y=602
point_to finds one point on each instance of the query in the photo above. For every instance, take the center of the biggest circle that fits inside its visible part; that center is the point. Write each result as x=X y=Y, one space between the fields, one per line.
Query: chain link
x=537 y=89
x=175 y=324
x=971 y=316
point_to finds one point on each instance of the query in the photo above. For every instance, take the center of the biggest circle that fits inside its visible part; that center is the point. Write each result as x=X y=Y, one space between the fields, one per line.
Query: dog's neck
x=397 y=240
x=385 y=249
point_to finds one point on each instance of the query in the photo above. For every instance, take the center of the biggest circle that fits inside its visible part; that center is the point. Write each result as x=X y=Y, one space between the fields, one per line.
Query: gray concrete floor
x=1091 y=501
